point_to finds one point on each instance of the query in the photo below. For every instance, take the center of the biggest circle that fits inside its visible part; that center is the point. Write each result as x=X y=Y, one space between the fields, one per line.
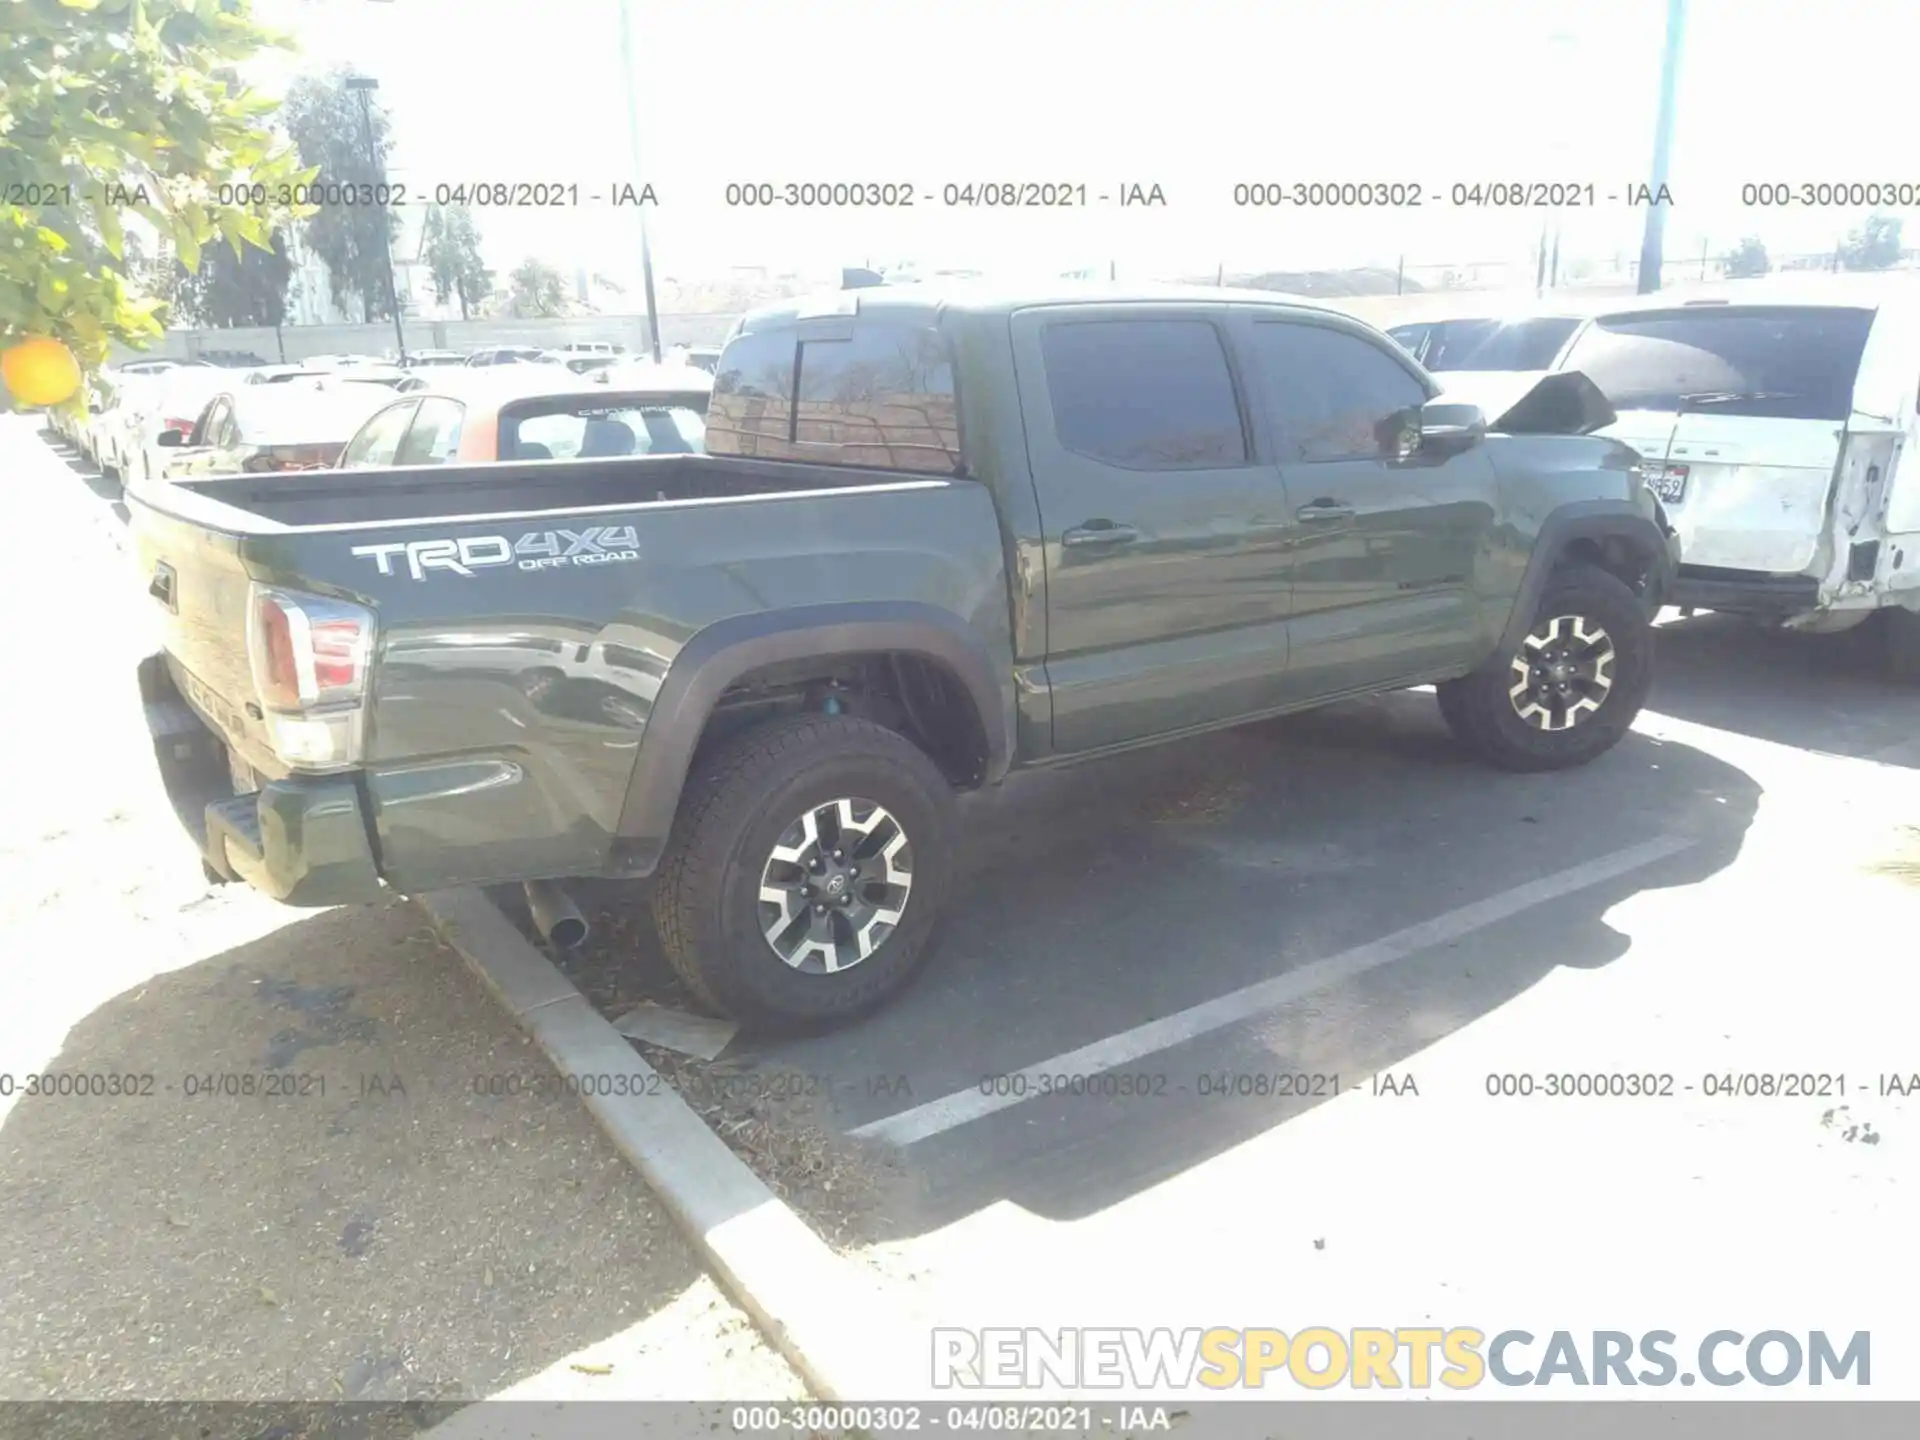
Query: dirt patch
x=841 y=1187
x=1207 y=800
x=771 y=1119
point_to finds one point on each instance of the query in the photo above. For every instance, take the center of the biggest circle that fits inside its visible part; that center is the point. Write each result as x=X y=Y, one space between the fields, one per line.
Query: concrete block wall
x=293 y=343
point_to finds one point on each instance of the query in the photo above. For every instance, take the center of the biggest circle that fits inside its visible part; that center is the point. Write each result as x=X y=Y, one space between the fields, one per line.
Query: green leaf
x=107 y=93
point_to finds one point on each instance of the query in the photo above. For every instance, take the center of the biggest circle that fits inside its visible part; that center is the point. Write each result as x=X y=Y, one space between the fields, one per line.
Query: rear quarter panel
x=509 y=705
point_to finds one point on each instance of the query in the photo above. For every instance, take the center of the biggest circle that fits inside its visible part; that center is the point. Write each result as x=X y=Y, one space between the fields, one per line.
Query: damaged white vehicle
x=1779 y=435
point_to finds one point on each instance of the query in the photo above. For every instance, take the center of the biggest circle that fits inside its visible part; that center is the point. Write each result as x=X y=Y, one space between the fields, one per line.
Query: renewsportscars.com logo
x=536 y=550
x=1416 y=1358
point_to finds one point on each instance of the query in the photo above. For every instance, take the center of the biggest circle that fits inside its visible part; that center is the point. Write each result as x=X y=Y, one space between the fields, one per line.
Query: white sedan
x=172 y=403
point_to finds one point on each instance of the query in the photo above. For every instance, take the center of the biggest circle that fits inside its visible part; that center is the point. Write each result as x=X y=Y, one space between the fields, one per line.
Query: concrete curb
x=847 y=1336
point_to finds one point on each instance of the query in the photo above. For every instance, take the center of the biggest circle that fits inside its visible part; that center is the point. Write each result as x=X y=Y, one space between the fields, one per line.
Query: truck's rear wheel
x=1570 y=690
x=807 y=870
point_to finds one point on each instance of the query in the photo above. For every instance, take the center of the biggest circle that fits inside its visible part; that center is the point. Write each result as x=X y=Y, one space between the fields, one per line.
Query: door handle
x=1324 y=509
x=161 y=588
x=1100 y=532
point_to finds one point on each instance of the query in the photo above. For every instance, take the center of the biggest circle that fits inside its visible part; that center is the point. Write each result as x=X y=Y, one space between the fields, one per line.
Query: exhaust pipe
x=554 y=912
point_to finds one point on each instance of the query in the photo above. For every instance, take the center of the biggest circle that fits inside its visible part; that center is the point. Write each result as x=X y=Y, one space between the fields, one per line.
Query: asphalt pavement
x=253 y=1153
x=1210 y=1031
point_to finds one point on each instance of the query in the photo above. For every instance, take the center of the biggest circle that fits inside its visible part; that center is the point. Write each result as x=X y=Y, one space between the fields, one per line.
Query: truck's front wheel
x=1571 y=689
x=806 y=872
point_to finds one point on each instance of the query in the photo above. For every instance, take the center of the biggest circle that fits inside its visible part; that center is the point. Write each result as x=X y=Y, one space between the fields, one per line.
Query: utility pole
x=639 y=175
x=1650 y=245
x=365 y=84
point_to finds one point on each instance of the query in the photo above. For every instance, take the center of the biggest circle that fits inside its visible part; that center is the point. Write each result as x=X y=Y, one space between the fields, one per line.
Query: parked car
x=286 y=374
x=591 y=347
x=429 y=359
x=1526 y=342
x=97 y=434
x=90 y=431
x=524 y=414
x=150 y=367
x=249 y=430
x=232 y=359
x=589 y=364
x=1779 y=429
x=1166 y=512
x=148 y=408
x=391 y=376
x=706 y=357
x=508 y=355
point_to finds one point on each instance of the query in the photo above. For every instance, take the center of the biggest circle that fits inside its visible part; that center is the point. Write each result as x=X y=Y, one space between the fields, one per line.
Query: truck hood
x=1531 y=402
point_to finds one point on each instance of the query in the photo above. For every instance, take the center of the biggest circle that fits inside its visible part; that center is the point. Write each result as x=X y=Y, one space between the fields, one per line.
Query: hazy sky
x=1193 y=96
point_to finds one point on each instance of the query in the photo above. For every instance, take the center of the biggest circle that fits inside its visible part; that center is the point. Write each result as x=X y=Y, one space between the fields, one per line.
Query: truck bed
x=312 y=499
x=509 y=694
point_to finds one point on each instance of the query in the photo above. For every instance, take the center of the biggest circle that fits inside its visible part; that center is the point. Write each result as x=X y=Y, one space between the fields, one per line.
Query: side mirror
x=1448 y=427
x=169 y=439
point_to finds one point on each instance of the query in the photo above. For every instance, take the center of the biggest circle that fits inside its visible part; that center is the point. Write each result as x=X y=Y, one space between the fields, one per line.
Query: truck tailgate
x=198 y=584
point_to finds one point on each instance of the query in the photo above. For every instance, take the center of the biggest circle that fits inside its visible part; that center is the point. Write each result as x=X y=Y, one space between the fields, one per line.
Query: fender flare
x=722 y=652
x=1586 y=520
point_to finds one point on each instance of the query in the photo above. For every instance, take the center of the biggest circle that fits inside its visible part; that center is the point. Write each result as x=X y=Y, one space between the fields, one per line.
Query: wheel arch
x=720 y=654
x=1610 y=534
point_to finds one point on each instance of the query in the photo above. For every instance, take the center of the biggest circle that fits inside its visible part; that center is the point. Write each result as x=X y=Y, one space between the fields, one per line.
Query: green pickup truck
x=937 y=536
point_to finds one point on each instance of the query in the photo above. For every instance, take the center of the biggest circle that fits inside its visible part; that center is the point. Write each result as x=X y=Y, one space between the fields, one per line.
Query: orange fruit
x=40 y=371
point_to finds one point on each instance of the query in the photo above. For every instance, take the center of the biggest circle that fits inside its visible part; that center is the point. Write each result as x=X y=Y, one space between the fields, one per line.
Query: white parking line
x=963 y=1106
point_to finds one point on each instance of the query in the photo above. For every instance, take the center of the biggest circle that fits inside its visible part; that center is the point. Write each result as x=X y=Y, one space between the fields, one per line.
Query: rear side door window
x=206 y=430
x=434 y=435
x=1333 y=395
x=1151 y=394
x=379 y=439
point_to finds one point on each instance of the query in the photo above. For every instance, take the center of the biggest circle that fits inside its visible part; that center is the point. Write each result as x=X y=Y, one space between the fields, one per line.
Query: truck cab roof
x=979 y=297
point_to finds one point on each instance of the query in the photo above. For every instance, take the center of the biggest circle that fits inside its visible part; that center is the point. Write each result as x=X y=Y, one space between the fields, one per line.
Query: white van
x=1777 y=429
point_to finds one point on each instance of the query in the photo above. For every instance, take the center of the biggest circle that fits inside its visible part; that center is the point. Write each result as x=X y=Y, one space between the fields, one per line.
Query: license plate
x=1668 y=482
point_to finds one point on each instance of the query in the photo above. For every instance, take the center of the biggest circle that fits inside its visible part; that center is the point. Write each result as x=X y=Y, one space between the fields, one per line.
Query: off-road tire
x=1898 y=642
x=738 y=800
x=1480 y=711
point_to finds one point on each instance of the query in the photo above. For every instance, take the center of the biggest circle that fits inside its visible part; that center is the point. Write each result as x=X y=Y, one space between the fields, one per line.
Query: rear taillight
x=184 y=427
x=309 y=656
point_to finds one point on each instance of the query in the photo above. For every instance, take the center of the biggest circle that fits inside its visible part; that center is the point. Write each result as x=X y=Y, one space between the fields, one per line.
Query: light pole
x=633 y=154
x=363 y=84
x=1651 y=242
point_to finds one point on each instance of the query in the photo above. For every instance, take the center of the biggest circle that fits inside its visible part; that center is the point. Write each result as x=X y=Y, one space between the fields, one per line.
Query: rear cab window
x=874 y=393
x=1793 y=362
x=434 y=435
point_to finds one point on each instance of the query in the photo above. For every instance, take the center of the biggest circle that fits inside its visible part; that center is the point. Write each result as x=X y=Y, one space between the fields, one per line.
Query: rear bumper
x=1746 y=593
x=302 y=842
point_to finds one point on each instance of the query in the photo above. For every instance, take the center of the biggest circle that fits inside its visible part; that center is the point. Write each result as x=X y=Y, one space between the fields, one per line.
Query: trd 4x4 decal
x=535 y=550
